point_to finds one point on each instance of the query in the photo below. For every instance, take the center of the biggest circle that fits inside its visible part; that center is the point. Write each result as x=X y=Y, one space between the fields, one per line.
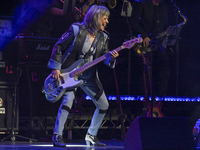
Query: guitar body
x=141 y=50
x=146 y=111
x=54 y=89
x=156 y=110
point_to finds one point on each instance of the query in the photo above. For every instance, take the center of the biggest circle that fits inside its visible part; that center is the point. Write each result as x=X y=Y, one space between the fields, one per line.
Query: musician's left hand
x=114 y=54
x=146 y=41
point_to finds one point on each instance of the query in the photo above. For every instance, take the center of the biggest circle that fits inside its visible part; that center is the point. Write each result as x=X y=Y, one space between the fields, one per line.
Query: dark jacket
x=68 y=48
x=148 y=19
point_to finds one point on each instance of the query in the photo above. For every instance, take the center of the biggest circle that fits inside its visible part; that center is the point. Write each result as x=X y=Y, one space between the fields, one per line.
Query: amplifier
x=8 y=63
x=6 y=107
x=35 y=48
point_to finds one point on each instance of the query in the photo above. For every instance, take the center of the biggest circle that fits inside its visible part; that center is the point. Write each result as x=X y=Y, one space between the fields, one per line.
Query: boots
x=91 y=139
x=58 y=141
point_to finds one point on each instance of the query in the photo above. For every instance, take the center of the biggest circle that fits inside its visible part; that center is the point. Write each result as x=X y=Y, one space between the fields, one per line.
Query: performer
x=78 y=43
x=149 y=19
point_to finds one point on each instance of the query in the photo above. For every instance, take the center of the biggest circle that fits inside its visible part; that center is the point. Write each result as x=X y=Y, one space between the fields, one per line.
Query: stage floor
x=73 y=145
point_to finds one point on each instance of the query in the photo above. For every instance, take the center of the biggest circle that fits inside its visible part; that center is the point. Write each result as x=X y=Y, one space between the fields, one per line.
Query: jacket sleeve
x=108 y=61
x=60 y=48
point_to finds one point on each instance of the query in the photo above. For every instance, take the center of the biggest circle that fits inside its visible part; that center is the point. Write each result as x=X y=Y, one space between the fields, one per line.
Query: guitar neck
x=92 y=63
x=161 y=35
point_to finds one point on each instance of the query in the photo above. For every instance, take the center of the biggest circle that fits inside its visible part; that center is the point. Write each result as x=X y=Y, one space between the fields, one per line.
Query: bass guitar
x=156 y=110
x=150 y=108
x=54 y=89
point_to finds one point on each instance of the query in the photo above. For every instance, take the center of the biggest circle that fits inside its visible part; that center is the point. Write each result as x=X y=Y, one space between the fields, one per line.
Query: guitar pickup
x=53 y=95
x=62 y=81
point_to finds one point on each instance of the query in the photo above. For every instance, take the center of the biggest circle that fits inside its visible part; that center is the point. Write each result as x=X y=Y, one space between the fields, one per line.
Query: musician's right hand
x=146 y=41
x=56 y=74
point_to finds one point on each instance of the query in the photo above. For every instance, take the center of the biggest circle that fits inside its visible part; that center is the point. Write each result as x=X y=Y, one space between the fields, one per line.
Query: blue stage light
x=141 y=98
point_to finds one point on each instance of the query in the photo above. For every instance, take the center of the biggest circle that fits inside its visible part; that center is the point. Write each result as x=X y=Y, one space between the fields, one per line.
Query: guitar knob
x=60 y=87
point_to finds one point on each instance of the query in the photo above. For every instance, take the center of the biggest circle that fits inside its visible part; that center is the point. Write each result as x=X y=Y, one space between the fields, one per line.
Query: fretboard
x=92 y=63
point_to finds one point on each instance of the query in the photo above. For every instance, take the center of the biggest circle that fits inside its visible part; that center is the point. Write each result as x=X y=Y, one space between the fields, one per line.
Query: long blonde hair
x=92 y=19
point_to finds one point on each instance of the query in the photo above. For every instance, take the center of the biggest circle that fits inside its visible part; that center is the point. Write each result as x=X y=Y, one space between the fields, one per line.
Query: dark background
x=186 y=56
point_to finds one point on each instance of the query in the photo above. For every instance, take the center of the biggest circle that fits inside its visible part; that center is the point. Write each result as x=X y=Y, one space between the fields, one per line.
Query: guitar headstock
x=131 y=43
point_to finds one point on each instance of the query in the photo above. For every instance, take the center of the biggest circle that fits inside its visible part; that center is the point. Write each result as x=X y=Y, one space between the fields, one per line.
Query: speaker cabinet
x=31 y=98
x=6 y=108
x=8 y=63
x=155 y=133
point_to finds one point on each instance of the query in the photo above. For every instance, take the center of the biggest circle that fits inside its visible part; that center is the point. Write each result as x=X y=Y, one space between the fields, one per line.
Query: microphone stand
x=177 y=44
x=121 y=118
x=125 y=8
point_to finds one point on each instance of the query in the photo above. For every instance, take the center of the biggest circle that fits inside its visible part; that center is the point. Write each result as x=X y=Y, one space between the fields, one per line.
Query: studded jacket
x=67 y=49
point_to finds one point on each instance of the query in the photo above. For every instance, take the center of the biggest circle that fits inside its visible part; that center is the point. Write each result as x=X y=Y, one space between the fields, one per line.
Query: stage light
x=141 y=98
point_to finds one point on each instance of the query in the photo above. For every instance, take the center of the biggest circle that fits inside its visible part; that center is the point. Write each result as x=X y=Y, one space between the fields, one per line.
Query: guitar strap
x=92 y=48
